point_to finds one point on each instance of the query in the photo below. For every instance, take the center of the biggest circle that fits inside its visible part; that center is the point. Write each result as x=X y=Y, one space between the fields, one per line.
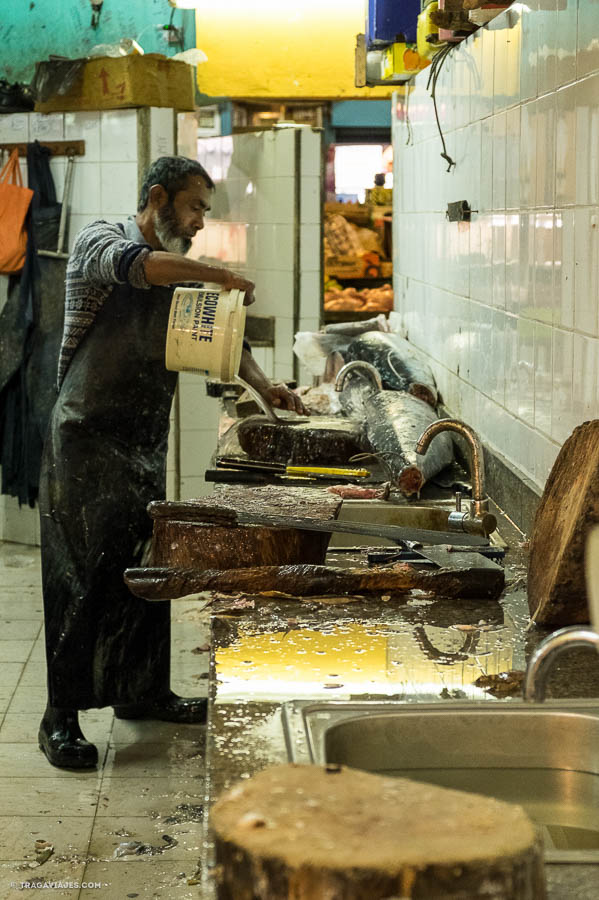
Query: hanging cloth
x=26 y=390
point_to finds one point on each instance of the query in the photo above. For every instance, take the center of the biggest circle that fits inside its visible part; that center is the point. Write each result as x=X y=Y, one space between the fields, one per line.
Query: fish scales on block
x=328 y=439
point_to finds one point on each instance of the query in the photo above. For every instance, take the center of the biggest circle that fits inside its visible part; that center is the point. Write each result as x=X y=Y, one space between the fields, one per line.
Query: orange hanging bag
x=14 y=203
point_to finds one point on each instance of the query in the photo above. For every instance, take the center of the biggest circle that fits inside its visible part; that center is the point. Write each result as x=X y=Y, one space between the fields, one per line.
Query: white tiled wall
x=105 y=186
x=507 y=307
x=252 y=229
x=252 y=226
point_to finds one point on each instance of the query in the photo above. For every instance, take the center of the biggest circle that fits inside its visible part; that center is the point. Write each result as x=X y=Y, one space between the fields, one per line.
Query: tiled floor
x=148 y=787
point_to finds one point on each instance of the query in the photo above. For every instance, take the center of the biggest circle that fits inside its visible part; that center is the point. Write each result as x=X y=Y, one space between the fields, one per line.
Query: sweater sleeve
x=105 y=257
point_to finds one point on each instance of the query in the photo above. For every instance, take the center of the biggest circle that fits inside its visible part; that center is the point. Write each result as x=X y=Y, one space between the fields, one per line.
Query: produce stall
x=357 y=261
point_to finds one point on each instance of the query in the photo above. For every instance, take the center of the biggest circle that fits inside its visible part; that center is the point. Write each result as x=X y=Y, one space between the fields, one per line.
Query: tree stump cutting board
x=568 y=509
x=314 y=832
x=179 y=540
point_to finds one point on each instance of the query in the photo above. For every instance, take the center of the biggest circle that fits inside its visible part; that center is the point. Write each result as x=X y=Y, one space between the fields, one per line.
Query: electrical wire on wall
x=433 y=77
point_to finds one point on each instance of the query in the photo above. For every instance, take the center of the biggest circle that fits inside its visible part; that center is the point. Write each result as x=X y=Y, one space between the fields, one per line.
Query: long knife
x=396 y=533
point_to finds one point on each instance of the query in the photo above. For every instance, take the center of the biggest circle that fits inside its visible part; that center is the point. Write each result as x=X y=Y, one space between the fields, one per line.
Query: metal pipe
x=66 y=194
x=358 y=364
x=60 y=253
x=540 y=662
x=477 y=465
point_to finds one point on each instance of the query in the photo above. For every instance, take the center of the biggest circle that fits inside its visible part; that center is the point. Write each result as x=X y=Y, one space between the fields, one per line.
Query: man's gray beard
x=165 y=226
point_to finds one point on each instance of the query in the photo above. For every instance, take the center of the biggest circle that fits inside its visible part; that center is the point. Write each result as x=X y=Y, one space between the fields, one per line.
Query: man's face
x=177 y=221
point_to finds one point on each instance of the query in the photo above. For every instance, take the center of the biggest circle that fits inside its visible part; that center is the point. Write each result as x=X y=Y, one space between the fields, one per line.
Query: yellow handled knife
x=325 y=470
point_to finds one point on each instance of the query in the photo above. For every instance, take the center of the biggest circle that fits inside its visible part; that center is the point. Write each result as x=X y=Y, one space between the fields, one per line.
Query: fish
x=321 y=399
x=398 y=362
x=394 y=422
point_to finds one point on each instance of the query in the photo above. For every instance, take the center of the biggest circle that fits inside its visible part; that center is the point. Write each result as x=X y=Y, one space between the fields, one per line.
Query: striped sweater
x=104 y=255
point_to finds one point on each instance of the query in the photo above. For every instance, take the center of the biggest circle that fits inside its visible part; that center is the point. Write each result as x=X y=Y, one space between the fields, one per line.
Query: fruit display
x=376 y=299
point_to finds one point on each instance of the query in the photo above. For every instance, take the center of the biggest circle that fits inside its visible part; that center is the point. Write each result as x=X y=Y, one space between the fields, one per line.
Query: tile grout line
x=61 y=785
x=33 y=643
x=95 y=815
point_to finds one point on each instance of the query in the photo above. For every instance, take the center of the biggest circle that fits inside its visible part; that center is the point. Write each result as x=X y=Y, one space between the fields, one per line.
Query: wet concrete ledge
x=511 y=490
x=245 y=732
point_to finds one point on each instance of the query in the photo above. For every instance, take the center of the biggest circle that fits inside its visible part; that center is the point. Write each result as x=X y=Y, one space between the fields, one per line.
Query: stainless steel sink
x=382 y=512
x=542 y=756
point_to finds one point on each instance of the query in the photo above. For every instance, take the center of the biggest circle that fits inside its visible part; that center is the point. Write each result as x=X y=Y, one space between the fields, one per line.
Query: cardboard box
x=126 y=81
x=353 y=212
x=344 y=267
x=367 y=266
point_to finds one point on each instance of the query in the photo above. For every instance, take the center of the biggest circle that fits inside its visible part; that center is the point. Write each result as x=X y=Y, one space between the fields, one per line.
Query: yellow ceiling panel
x=278 y=48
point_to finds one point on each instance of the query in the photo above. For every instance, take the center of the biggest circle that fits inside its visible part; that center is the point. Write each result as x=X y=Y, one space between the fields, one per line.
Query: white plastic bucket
x=205 y=332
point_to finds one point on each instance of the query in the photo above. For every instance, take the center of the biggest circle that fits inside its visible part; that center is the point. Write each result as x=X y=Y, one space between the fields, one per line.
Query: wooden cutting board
x=568 y=509
x=320 y=440
x=317 y=832
x=198 y=533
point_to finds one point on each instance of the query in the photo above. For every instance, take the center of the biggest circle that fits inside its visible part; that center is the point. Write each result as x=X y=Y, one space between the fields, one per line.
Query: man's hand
x=161 y=267
x=277 y=395
x=281 y=397
x=235 y=282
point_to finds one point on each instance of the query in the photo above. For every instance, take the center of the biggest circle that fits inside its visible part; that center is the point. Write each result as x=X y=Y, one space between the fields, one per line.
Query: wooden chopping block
x=304 y=581
x=182 y=536
x=568 y=509
x=335 y=832
x=202 y=545
x=321 y=440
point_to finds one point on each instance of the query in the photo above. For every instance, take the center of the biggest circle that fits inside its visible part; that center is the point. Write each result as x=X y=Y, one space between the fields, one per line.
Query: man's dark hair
x=172 y=173
x=379 y=179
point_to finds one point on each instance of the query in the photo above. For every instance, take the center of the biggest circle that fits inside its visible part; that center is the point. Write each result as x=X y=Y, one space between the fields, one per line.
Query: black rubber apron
x=104 y=460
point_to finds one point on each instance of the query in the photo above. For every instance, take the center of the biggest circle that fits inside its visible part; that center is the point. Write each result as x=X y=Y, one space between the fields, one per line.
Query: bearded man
x=105 y=459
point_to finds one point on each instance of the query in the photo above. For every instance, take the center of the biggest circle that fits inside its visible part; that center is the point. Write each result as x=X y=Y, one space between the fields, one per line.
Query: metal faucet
x=363 y=367
x=479 y=519
x=540 y=662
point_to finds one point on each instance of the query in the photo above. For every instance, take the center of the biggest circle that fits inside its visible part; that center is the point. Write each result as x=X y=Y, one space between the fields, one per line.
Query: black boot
x=62 y=740
x=167 y=708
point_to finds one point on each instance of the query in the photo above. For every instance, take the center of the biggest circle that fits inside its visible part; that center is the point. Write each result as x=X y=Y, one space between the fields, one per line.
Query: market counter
x=266 y=651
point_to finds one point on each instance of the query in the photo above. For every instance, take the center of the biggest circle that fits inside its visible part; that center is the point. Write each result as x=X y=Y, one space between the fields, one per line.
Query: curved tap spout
x=546 y=654
x=477 y=465
x=362 y=366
